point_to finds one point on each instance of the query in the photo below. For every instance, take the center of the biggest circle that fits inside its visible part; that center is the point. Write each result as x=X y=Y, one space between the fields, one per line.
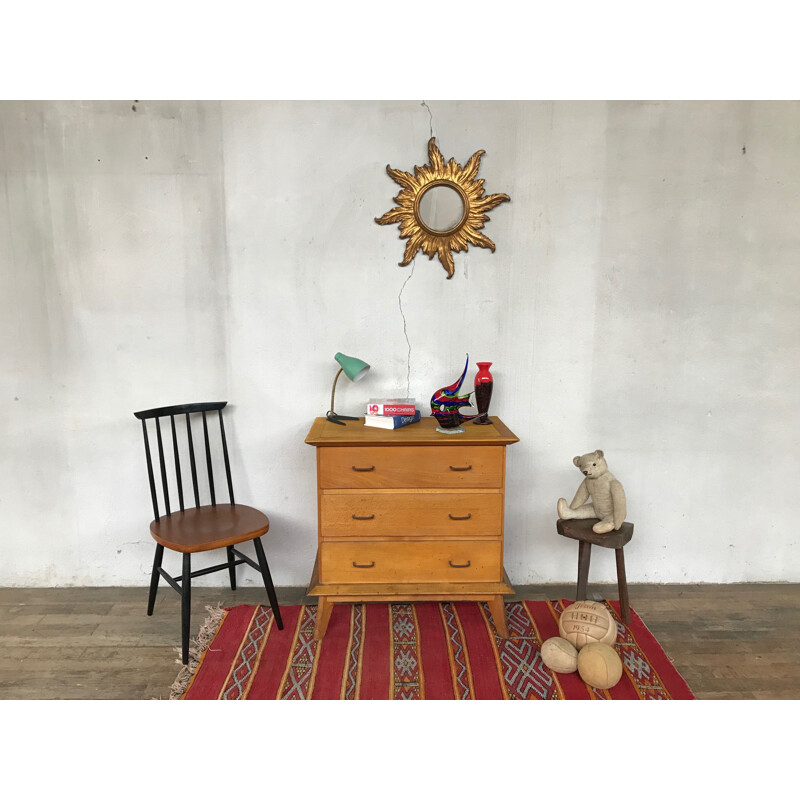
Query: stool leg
x=584 y=554
x=622 y=585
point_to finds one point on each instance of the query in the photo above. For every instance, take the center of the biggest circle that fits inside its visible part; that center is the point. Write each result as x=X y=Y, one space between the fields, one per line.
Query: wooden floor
x=732 y=641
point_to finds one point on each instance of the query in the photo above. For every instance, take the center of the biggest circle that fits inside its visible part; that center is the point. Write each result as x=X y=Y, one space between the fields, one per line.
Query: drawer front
x=411 y=562
x=434 y=467
x=366 y=515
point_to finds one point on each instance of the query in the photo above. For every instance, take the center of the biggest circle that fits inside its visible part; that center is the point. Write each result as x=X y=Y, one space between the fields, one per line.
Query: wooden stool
x=581 y=529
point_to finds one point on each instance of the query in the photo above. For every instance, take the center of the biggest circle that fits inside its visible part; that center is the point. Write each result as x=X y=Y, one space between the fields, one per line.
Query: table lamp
x=355 y=369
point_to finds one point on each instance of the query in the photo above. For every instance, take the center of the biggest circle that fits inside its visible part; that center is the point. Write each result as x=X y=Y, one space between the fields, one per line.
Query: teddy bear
x=603 y=491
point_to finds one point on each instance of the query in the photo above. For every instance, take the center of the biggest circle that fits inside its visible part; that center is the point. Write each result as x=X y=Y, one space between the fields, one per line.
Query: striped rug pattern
x=410 y=651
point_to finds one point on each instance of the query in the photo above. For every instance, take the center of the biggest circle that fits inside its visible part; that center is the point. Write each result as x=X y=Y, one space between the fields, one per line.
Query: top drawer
x=435 y=467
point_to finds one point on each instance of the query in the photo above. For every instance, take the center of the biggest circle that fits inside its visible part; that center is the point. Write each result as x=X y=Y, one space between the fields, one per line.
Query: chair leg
x=186 y=605
x=622 y=585
x=584 y=555
x=151 y=600
x=268 y=585
x=232 y=570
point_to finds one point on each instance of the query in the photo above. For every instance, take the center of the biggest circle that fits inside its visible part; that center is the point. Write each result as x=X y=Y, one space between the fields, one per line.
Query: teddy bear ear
x=599 y=453
x=576 y=461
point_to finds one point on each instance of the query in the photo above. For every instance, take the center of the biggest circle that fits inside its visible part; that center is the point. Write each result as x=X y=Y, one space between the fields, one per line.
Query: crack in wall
x=430 y=114
x=405 y=327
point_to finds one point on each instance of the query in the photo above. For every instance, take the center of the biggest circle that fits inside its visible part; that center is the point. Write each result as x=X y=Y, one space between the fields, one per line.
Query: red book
x=391 y=408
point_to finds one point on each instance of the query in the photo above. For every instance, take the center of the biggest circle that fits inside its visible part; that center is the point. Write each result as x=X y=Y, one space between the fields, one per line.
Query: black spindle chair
x=201 y=527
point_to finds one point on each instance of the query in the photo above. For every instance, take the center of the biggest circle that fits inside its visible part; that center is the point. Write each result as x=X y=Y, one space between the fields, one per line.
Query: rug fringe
x=196 y=648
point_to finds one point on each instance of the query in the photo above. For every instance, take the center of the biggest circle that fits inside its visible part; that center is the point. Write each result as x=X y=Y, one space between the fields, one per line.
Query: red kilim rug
x=408 y=651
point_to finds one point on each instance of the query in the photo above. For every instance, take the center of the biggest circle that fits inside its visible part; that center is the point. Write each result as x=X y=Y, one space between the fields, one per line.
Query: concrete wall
x=643 y=299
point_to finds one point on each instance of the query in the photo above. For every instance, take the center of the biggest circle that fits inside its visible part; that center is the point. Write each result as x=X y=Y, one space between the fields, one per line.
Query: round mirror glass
x=441 y=208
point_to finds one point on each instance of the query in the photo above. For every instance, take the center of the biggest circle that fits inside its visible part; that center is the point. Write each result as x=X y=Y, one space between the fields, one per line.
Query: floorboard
x=728 y=641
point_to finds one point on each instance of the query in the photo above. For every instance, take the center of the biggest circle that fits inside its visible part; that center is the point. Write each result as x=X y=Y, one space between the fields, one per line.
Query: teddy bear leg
x=565 y=511
x=604 y=526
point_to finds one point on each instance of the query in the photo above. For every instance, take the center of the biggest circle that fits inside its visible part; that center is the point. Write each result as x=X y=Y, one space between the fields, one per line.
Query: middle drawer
x=370 y=515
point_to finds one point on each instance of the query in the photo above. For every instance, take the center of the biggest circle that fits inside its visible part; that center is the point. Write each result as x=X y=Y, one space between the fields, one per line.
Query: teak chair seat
x=206 y=526
x=209 y=528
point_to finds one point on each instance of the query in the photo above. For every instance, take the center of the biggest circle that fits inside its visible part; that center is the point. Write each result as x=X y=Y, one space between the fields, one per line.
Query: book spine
x=390 y=410
x=400 y=421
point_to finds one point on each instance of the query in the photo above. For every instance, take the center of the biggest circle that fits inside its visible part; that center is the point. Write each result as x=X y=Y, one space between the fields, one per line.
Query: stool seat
x=581 y=531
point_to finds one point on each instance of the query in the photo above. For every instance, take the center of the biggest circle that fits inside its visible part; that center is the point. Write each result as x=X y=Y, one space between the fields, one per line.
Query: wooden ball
x=599 y=665
x=586 y=621
x=559 y=655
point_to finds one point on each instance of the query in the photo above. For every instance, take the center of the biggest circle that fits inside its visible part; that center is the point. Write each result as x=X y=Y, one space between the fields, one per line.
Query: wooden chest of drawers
x=409 y=514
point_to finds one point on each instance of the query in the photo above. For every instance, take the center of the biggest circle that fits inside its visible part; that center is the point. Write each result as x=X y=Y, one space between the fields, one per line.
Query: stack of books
x=391 y=413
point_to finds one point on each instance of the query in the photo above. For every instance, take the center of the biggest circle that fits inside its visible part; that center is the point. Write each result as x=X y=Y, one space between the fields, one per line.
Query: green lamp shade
x=354 y=368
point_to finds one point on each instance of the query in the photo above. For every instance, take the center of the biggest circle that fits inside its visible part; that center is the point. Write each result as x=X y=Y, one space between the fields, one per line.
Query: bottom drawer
x=411 y=562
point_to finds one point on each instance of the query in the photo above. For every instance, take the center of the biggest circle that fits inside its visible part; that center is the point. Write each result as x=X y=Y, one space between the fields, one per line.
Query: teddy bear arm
x=581 y=496
x=620 y=504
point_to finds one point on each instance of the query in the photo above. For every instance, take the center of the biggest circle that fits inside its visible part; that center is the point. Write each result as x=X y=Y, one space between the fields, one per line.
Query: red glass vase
x=483 y=392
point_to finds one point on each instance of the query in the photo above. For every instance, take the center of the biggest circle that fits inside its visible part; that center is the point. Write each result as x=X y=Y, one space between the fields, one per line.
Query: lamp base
x=332 y=416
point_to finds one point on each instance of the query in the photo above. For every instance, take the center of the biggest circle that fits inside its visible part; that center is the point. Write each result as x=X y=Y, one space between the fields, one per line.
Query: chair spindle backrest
x=157 y=414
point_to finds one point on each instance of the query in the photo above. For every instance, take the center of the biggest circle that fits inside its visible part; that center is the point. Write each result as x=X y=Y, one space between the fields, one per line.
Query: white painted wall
x=643 y=299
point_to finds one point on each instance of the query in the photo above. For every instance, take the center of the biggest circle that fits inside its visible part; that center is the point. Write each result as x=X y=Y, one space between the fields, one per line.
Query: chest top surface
x=356 y=433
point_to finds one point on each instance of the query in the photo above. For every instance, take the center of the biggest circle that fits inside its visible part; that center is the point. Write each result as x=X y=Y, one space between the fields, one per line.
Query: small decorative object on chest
x=355 y=369
x=483 y=392
x=446 y=404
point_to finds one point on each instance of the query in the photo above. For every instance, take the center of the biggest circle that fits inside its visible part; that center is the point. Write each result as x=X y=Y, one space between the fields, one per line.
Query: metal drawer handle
x=461 y=469
x=364 y=566
x=364 y=469
x=371 y=516
x=459 y=566
x=469 y=516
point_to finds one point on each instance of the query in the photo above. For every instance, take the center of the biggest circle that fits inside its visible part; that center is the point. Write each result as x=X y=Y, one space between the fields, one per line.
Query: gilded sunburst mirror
x=441 y=208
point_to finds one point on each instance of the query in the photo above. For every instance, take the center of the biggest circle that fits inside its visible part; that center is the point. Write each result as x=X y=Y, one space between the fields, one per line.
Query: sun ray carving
x=433 y=242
